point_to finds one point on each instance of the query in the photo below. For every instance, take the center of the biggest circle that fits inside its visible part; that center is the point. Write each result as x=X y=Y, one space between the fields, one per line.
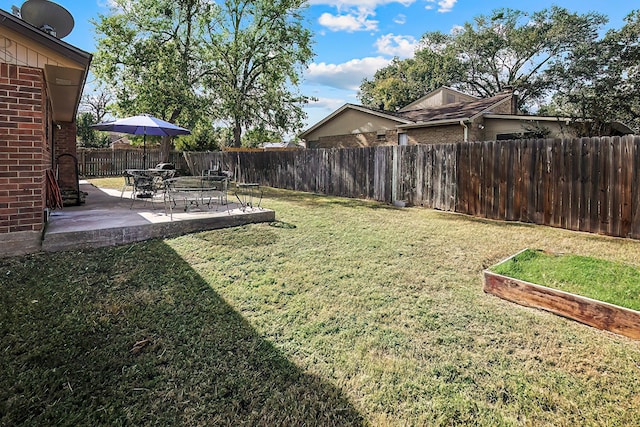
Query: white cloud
x=369 y=4
x=444 y=5
x=348 y=75
x=400 y=46
x=354 y=15
x=355 y=21
x=112 y=5
x=326 y=103
x=400 y=19
x=105 y=4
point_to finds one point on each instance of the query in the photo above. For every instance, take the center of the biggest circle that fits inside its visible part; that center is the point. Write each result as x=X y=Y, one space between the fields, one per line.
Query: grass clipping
x=602 y=280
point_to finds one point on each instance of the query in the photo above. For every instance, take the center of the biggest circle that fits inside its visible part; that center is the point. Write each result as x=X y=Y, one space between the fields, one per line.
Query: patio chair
x=144 y=188
x=128 y=183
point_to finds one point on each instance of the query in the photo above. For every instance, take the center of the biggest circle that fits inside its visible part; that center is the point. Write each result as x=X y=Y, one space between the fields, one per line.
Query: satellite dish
x=48 y=16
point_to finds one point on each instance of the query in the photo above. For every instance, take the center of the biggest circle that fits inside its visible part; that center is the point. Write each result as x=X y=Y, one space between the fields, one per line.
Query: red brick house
x=41 y=82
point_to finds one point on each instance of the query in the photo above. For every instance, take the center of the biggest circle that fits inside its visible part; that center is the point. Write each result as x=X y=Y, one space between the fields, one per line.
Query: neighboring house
x=119 y=142
x=442 y=116
x=279 y=145
x=41 y=82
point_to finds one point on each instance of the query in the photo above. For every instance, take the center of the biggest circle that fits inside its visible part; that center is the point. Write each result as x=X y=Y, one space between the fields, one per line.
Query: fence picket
x=588 y=184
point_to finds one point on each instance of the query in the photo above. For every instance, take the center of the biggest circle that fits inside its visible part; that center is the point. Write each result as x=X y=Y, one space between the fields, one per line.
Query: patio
x=105 y=219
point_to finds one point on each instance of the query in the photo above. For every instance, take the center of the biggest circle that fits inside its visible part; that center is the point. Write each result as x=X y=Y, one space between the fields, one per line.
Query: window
x=403 y=139
x=507 y=136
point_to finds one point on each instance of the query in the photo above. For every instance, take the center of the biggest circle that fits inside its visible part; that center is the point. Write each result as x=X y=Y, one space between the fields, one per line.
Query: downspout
x=466 y=131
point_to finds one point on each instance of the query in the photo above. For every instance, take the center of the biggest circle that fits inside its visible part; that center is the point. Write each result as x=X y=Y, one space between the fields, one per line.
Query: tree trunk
x=237 y=134
x=165 y=149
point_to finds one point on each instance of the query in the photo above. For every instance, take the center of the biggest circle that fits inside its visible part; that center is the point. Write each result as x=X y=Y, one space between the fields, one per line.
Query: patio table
x=195 y=191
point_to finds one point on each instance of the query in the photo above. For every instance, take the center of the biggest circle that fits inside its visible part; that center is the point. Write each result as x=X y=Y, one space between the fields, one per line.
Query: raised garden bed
x=599 y=314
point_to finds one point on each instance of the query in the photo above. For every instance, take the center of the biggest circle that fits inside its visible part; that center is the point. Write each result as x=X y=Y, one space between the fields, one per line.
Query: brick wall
x=24 y=154
x=436 y=135
x=427 y=135
x=369 y=139
x=506 y=107
x=64 y=135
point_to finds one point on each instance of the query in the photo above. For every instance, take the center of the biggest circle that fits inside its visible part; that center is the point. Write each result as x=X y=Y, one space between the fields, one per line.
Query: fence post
x=394 y=174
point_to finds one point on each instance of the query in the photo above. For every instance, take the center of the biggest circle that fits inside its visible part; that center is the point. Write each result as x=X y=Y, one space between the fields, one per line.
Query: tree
x=256 y=136
x=97 y=103
x=150 y=54
x=86 y=135
x=258 y=51
x=205 y=137
x=508 y=49
x=601 y=81
x=404 y=81
x=203 y=61
x=92 y=110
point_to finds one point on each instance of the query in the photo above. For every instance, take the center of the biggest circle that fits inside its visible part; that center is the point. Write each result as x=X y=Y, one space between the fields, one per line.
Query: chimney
x=514 y=102
x=514 y=98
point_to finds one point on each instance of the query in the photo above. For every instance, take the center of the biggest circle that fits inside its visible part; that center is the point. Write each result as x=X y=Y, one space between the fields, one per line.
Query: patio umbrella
x=143 y=124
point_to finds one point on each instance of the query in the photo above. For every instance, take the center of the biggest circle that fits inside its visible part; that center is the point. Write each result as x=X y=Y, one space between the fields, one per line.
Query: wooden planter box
x=602 y=315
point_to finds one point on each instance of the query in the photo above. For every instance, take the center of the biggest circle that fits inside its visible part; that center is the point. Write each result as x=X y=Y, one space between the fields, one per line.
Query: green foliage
x=88 y=137
x=514 y=49
x=198 y=61
x=404 y=81
x=535 y=130
x=600 y=80
x=508 y=49
x=147 y=53
x=257 y=53
x=607 y=281
x=205 y=138
x=256 y=136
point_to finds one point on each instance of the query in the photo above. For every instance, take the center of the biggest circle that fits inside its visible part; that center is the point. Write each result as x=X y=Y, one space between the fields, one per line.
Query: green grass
x=342 y=312
x=603 y=280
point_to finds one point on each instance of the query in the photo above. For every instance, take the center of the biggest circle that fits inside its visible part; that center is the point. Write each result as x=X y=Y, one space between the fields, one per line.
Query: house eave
x=528 y=118
x=357 y=108
x=434 y=123
x=45 y=39
x=65 y=81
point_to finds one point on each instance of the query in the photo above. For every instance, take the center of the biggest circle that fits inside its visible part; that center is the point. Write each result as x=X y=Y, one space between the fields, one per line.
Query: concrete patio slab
x=106 y=219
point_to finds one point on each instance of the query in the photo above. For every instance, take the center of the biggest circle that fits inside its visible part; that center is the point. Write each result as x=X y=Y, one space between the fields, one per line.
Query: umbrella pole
x=144 y=151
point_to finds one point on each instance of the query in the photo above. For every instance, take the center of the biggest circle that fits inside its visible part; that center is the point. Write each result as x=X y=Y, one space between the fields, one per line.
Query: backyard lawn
x=343 y=312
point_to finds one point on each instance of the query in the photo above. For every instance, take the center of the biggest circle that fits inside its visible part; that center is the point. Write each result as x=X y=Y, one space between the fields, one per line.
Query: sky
x=354 y=38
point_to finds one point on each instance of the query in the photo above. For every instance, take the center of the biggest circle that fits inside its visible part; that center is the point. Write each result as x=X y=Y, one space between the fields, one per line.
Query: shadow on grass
x=134 y=336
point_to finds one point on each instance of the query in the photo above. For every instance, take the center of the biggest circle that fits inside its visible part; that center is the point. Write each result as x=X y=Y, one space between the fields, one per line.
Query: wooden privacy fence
x=108 y=162
x=587 y=184
x=422 y=175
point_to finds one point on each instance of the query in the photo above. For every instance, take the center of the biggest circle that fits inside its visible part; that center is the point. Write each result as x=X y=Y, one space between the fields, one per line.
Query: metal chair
x=144 y=188
x=128 y=183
